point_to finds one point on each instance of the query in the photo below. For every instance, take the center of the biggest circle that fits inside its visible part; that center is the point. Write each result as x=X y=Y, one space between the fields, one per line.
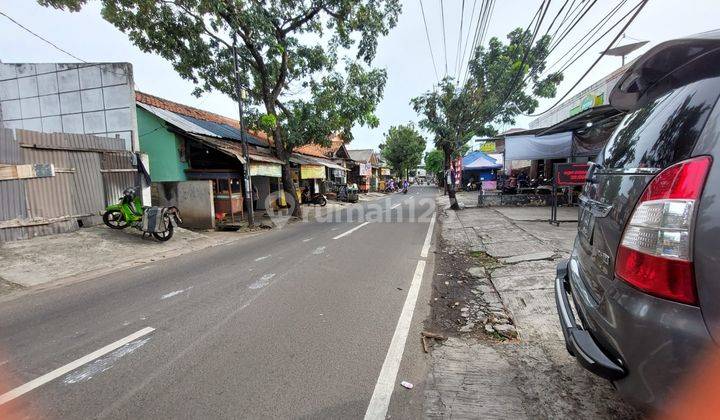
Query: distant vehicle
x=638 y=298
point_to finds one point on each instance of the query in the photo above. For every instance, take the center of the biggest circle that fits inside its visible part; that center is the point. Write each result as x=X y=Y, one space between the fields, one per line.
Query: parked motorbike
x=130 y=212
x=404 y=190
x=314 y=198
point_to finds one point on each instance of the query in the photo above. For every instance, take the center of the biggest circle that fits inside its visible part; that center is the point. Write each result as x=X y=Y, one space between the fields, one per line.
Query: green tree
x=403 y=148
x=496 y=91
x=434 y=163
x=291 y=50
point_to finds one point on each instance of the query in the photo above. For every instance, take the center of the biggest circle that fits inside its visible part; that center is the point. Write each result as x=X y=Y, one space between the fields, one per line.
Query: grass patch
x=486 y=260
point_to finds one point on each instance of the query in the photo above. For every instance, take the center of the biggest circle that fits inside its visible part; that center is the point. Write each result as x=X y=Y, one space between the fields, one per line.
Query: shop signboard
x=385 y=172
x=272 y=170
x=312 y=172
x=365 y=169
x=487 y=147
x=569 y=174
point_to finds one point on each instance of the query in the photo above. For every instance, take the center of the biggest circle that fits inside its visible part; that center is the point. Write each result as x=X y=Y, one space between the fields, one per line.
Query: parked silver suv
x=638 y=298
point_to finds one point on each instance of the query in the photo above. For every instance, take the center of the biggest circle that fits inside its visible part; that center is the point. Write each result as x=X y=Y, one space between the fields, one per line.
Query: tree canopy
x=403 y=148
x=434 y=162
x=495 y=91
x=291 y=53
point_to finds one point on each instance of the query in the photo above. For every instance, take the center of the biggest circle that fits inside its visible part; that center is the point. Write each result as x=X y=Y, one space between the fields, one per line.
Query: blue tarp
x=479 y=160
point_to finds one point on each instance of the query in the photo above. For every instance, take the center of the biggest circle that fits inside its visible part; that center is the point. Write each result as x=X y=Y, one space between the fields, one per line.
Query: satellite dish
x=624 y=50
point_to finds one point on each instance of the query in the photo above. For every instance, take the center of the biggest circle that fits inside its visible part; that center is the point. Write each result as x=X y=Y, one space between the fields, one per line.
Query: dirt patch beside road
x=489 y=266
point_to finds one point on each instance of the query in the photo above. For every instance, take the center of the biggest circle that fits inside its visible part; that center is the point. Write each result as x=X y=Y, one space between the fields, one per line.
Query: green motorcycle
x=158 y=221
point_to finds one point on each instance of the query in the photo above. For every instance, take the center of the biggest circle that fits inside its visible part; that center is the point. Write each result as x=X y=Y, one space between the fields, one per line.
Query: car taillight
x=655 y=253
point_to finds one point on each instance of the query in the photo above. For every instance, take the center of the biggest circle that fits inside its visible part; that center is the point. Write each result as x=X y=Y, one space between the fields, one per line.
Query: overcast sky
x=404 y=53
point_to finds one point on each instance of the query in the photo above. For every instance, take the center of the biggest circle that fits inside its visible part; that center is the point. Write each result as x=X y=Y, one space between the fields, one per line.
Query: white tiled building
x=82 y=98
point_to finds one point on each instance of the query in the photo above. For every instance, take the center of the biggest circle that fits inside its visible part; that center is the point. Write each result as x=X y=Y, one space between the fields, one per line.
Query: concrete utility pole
x=247 y=184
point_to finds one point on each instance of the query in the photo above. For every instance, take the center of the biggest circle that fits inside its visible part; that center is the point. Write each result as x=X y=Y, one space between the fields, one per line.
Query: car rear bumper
x=578 y=341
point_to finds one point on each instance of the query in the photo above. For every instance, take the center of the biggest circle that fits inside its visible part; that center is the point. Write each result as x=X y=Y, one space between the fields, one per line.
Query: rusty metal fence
x=89 y=173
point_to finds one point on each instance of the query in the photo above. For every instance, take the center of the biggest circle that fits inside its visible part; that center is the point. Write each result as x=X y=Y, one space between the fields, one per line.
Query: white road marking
x=380 y=401
x=319 y=250
x=42 y=380
x=175 y=293
x=428 y=237
x=262 y=281
x=351 y=230
x=396 y=206
x=307 y=239
x=101 y=365
x=262 y=258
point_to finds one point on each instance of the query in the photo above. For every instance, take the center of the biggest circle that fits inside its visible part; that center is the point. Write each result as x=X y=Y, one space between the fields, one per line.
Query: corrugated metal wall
x=79 y=191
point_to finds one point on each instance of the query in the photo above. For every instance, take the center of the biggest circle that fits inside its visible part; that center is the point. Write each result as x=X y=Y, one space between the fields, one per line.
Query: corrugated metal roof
x=362 y=155
x=177 y=120
x=223 y=130
x=264 y=158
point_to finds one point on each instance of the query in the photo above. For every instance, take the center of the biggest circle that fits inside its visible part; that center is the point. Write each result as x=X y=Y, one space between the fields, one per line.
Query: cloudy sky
x=404 y=53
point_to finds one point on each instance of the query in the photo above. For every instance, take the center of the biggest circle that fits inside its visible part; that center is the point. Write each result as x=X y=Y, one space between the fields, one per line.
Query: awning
x=311 y=160
x=264 y=158
x=553 y=146
x=230 y=148
x=594 y=116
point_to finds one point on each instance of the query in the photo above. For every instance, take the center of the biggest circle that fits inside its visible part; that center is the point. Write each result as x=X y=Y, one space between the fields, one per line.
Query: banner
x=365 y=169
x=385 y=172
x=312 y=172
x=265 y=169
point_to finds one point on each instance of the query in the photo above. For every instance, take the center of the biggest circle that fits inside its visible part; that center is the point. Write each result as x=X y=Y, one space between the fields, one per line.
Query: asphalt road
x=297 y=322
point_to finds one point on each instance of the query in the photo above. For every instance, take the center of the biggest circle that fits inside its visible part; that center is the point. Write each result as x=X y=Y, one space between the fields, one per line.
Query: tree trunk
x=450 y=187
x=288 y=185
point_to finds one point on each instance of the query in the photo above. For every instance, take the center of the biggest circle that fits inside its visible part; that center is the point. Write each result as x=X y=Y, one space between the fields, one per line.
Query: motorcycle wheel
x=322 y=201
x=165 y=236
x=114 y=219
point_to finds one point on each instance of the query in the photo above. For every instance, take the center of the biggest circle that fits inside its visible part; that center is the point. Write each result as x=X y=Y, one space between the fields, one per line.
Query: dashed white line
x=262 y=281
x=319 y=250
x=175 y=293
x=396 y=206
x=42 y=380
x=262 y=258
x=351 y=230
x=307 y=239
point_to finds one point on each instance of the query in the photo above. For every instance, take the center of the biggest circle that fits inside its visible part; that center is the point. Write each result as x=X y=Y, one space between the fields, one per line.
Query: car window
x=663 y=131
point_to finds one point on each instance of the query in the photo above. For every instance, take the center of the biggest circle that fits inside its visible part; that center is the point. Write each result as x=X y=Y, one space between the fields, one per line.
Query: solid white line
x=351 y=230
x=396 y=206
x=380 y=401
x=428 y=237
x=22 y=389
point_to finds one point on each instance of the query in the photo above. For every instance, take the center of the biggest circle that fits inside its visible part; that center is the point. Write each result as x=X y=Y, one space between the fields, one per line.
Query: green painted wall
x=162 y=147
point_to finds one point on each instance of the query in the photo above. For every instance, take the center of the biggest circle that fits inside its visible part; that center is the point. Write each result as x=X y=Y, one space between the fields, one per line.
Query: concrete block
x=49 y=105
x=119 y=119
x=193 y=198
x=94 y=122
x=47 y=83
x=117 y=96
x=90 y=77
x=67 y=66
x=34 y=124
x=73 y=123
x=28 y=87
x=544 y=255
x=92 y=100
x=70 y=103
x=7 y=71
x=52 y=124
x=30 y=107
x=43 y=68
x=68 y=80
x=10 y=110
x=9 y=90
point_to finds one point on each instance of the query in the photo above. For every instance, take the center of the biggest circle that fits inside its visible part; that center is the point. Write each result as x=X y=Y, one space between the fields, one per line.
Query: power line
x=639 y=8
x=52 y=44
x=442 y=14
x=467 y=38
x=594 y=31
x=547 y=31
x=427 y=35
x=483 y=20
x=571 y=27
x=459 y=43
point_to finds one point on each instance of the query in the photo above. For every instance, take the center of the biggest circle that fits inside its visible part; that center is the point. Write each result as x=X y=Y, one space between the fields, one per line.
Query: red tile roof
x=193 y=112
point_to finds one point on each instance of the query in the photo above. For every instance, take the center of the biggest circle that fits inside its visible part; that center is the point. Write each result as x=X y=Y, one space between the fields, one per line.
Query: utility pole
x=247 y=184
